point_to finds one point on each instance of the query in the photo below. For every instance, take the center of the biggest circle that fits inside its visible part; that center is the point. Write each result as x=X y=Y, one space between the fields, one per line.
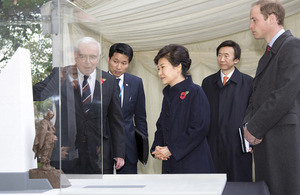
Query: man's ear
x=273 y=19
x=236 y=61
x=75 y=54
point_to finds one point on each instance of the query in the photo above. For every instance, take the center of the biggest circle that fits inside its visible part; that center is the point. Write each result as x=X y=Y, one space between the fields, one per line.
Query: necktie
x=120 y=90
x=86 y=95
x=268 y=48
x=224 y=80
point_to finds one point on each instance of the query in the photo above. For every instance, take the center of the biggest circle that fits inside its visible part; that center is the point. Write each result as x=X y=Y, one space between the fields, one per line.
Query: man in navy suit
x=132 y=100
x=81 y=129
x=228 y=93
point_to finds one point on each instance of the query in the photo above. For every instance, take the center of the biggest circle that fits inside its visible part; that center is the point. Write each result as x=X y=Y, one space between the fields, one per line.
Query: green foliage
x=20 y=26
x=43 y=106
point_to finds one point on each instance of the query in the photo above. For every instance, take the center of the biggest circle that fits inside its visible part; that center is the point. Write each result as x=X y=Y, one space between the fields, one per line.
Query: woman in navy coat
x=180 y=139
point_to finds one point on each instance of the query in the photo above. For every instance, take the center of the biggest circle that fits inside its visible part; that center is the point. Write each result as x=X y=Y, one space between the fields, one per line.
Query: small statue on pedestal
x=44 y=141
x=43 y=145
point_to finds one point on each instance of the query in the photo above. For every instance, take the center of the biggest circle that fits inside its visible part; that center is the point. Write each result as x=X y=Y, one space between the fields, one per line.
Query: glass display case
x=75 y=88
x=65 y=48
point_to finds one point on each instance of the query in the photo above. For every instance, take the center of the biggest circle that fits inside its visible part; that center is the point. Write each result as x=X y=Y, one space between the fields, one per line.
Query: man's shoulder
x=245 y=76
x=106 y=75
x=212 y=77
x=291 y=40
x=132 y=77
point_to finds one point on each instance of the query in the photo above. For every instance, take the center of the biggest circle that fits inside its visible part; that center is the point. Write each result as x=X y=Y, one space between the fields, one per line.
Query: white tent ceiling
x=148 y=25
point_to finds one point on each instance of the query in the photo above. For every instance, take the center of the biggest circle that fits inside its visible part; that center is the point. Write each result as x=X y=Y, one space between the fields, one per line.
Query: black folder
x=142 y=144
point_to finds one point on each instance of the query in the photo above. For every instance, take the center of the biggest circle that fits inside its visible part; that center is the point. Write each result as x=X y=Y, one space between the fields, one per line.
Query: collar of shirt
x=229 y=75
x=121 y=79
x=91 y=80
x=276 y=37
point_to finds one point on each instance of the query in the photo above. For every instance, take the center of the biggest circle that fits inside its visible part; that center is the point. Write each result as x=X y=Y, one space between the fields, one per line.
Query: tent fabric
x=199 y=25
x=147 y=25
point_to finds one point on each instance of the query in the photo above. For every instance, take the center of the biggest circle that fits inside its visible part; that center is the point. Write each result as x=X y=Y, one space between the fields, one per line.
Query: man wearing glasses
x=81 y=116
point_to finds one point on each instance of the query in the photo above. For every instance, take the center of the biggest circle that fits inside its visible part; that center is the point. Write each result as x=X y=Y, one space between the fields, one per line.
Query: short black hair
x=234 y=45
x=121 y=48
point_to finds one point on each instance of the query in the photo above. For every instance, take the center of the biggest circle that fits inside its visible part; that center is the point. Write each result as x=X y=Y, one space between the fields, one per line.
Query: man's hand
x=119 y=163
x=64 y=152
x=250 y=138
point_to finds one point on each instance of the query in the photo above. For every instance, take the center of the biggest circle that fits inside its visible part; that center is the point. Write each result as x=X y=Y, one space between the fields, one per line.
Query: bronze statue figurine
x=44 y=141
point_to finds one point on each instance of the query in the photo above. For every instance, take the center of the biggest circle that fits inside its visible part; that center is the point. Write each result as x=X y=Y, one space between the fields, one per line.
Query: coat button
x=167 y=114
x=167 y=129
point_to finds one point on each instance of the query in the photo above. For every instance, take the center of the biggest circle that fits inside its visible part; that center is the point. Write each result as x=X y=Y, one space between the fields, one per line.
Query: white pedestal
x=183 y=184
x=17 y=129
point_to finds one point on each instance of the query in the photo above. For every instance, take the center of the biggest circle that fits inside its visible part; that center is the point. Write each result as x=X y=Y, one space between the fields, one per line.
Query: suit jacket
x=82 y=132
x=274 y=114
x=134 y=113
x=228 y=106
x=183 y=125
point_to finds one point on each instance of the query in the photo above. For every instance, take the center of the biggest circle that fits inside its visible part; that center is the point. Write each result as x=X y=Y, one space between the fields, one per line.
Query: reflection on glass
x=51 y=30
x=74 y=74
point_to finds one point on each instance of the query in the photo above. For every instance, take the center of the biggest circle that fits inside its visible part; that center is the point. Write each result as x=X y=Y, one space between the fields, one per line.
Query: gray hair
x=87 y=40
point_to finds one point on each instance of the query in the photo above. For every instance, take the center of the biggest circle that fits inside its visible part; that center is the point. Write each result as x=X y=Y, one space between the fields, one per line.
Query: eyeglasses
x=91 y=58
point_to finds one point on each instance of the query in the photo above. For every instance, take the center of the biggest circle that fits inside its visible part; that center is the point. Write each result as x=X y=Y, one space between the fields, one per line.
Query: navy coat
x=228 y=105
x=134 y=113
x=183 y=126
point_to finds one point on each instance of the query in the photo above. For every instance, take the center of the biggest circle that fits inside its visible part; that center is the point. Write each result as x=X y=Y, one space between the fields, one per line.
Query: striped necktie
x=86 y=94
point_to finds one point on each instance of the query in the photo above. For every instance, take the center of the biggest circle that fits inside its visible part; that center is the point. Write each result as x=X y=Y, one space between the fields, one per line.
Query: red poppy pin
x=183 y=94
x=102 y=80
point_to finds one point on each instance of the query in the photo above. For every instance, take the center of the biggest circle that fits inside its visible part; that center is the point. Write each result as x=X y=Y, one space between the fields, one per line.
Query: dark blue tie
x=86 y=95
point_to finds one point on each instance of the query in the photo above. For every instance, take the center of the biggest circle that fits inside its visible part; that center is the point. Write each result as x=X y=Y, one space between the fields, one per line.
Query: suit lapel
x=263 y=63
x=97 y=90
x=218 y=80
x=265 y=59
x=127 y=89
x=96 y=96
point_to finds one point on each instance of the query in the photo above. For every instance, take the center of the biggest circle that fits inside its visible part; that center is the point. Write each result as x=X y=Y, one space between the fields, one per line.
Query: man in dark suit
x=132 y=100
x=272 y=121
x=82 y=120
x=228 y=93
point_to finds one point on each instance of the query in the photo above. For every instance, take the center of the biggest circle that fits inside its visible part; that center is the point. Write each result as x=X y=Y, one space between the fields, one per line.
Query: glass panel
x=76 y=53
x=51 y=31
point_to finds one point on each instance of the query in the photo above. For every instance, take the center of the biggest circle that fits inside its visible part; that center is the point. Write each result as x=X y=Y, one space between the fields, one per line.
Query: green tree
x=20 y=26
